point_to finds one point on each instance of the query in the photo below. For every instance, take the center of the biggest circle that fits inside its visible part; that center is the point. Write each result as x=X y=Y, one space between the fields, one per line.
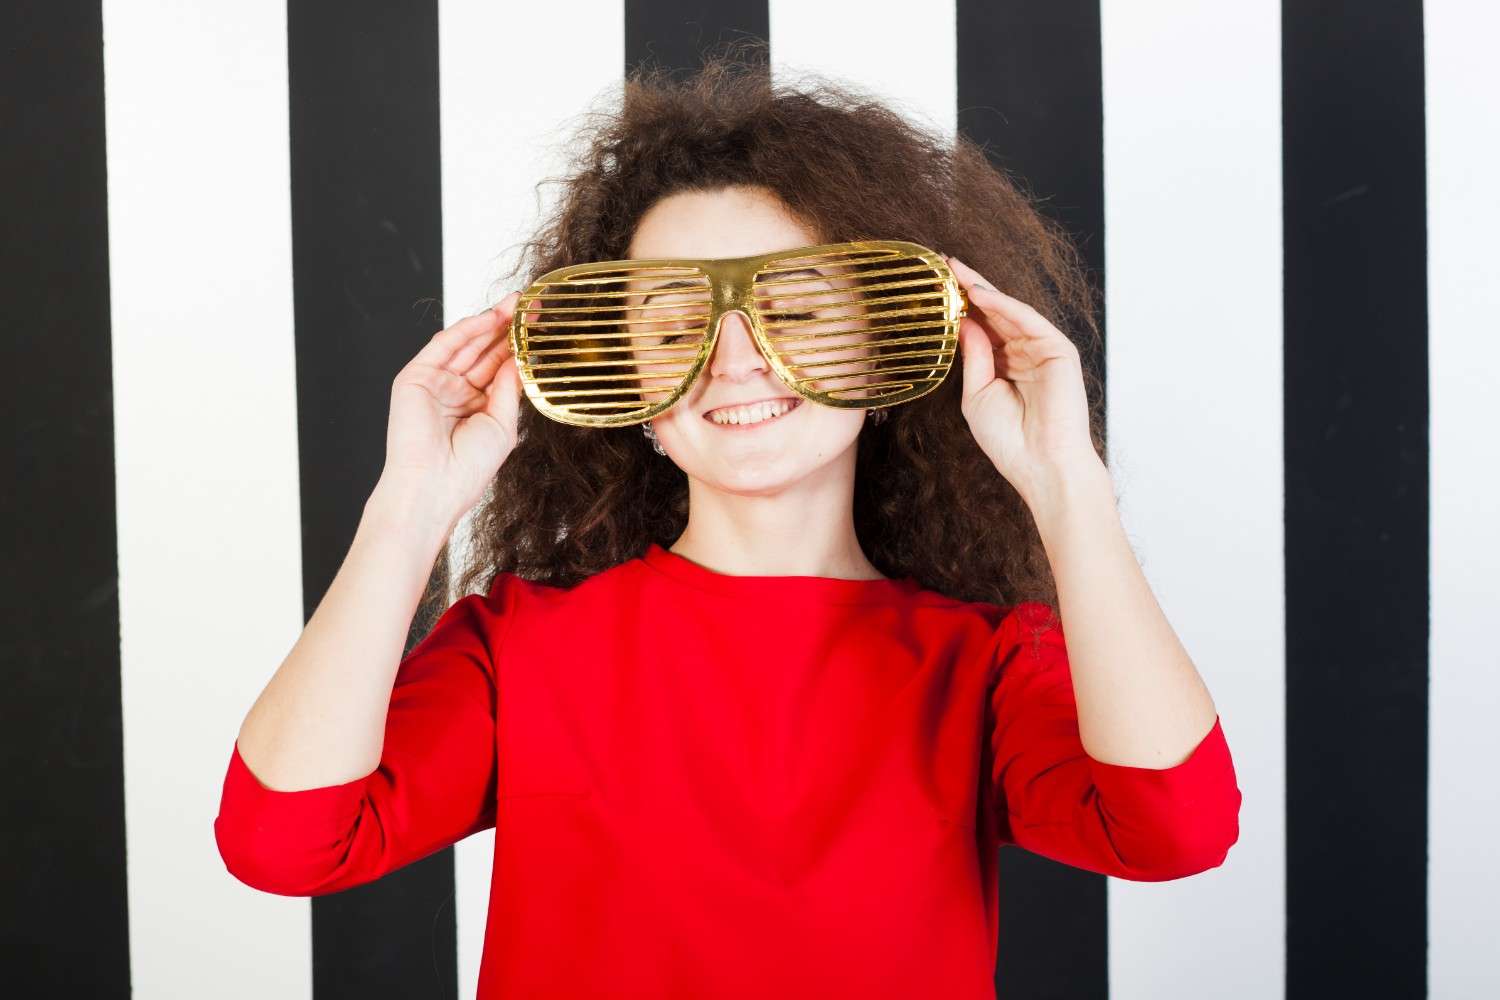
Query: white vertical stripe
x=508 y=108
x=206 y=469
x=1463 y=216
x=1194 y=258
x=900 y=52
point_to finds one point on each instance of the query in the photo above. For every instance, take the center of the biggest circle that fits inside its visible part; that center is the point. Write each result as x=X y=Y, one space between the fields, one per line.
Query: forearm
x=321 y=718
x=1141 y=701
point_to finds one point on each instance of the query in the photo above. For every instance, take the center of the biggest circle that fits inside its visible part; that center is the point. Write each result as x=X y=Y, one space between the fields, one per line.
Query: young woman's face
x=762 y=457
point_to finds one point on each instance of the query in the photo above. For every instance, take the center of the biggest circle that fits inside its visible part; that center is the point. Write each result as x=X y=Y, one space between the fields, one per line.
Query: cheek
x=825 y=432
x=843 y=425
x=672 y=426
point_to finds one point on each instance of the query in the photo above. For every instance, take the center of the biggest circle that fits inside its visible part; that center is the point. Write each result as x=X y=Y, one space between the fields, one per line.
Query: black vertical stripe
x=367 y=257
x=62 y=839
x=675 y=34
x=1355 y=299
x=1030 y=91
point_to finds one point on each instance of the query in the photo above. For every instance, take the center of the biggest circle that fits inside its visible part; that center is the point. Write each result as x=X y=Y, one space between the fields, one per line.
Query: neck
x=804 y=530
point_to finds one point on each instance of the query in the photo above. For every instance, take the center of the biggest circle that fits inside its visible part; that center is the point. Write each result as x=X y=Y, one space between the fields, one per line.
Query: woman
x=750 y=694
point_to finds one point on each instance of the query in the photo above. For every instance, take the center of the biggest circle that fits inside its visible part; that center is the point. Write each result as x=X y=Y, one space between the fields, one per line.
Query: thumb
x=978 y=358
x=503 y=396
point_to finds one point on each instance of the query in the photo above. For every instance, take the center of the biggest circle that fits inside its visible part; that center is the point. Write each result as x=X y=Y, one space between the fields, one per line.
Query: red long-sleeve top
x=706 y=785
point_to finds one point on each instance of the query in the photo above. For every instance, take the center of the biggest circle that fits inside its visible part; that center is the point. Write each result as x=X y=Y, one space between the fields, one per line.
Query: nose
x=736 y=355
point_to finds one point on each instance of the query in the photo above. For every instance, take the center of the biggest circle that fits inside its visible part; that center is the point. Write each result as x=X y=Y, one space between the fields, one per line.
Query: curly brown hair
x=572 y=501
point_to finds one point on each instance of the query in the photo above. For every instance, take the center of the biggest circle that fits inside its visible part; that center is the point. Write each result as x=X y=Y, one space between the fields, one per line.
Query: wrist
x=1062 y=494
x=411 y=508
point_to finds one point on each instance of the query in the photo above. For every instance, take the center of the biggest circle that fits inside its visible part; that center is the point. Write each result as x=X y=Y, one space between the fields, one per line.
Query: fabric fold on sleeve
x=1049 y=796
x=434 y=784
x=282 y=841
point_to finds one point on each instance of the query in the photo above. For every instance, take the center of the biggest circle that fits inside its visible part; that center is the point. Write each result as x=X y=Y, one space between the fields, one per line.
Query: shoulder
x=511 y=594
x=985 y=634
x=1003 y=638
x=1020 y=618
x=515 y=611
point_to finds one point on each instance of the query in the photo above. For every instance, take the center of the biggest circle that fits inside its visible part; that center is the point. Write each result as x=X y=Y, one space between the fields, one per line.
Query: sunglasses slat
x=606 y=378
x=813 y=263
x=882 y=357
x=922 y=347
x=601 y=294
x=916 y=297
x=863 y=288
x=608 y=363
x=893 y=328
x=600 y=392
x=627 y=308
x=602 y=349
x=618 y=322
x=615 y=275
x=878 y=385
x=596 y=407
x=799 y=263
x=573 y=361
x=807 y=279
x=796 y=323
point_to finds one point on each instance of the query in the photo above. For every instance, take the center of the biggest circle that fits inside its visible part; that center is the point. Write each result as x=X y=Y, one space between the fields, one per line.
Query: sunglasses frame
x=731 y=286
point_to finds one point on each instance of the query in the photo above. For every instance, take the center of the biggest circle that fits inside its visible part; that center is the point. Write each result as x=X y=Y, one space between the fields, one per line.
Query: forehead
x=725 y=222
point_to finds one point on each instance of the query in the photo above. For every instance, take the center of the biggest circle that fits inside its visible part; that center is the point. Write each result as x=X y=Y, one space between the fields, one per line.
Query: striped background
x=228 y=225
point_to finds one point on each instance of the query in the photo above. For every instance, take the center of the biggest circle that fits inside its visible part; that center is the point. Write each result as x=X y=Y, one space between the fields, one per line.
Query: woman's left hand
x=1031 y=416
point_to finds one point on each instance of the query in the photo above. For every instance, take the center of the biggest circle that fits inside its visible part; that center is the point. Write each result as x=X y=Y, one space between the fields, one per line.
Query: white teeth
x=754 y=413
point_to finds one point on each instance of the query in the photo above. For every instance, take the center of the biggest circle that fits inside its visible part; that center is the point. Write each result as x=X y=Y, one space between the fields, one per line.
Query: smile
x=753 y=414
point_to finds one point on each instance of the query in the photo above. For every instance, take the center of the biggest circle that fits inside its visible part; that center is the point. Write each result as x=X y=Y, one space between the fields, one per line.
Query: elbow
x=294 y=843
x=253 y=865
x=1182 y=861
x=1189 y=845
x=273 y=866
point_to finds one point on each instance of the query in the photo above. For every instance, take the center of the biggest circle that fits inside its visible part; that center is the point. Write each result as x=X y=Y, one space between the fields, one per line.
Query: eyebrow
x=658 y=289
x=809 y=271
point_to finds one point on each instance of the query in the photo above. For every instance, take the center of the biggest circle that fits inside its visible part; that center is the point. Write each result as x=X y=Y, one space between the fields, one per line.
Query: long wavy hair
x=572 y=501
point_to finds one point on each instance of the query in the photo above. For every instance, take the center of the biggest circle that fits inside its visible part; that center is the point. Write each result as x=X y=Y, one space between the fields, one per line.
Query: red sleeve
x=1050 y=797
x=434 y=785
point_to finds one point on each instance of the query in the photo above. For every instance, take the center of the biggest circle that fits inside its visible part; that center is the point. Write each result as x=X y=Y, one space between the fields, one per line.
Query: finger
x=1012 y=317
x=978 y=357
x=468 y=359
x=465 y=356
x=488 y=375
x=504 y=395
x=440 y=349
x=482 y=372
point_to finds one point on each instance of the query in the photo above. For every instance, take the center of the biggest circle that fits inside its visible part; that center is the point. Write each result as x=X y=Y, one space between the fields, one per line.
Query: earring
x=876 y=416
x=650 y=433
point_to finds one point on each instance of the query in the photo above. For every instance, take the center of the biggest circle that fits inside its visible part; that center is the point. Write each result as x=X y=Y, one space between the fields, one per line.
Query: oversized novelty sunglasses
x=863 y=324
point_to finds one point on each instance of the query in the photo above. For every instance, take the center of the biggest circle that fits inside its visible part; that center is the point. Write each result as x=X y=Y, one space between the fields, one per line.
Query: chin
x=767 y=474
x=755 y=477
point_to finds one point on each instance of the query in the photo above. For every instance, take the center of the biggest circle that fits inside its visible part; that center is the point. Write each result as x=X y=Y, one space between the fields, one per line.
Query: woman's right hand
x=454 y=409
